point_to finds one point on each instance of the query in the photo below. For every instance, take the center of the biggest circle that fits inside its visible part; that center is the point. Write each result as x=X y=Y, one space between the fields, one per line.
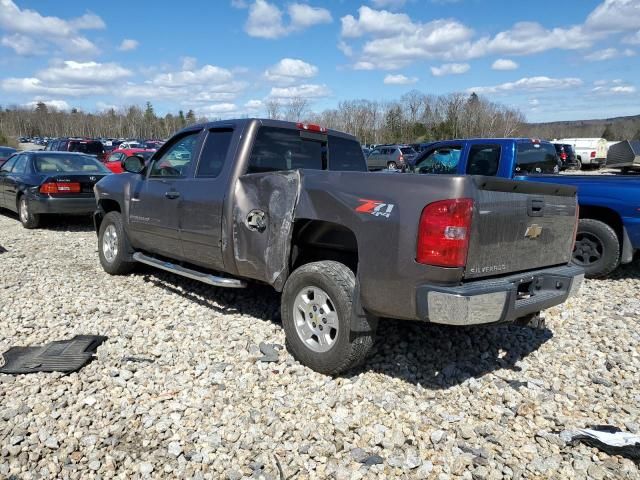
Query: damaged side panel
x=263 y=221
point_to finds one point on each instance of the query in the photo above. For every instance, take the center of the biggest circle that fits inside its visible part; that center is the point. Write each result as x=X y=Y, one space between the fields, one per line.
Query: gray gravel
x=177 y=390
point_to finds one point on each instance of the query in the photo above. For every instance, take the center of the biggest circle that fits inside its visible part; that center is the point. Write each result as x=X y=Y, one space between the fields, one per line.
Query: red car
x=114 y=160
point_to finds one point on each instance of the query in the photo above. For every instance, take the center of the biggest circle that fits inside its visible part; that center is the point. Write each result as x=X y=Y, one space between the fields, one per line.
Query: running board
x=187 y=272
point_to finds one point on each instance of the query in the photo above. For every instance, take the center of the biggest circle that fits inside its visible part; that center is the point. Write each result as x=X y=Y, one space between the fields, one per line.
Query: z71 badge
x=375 y=207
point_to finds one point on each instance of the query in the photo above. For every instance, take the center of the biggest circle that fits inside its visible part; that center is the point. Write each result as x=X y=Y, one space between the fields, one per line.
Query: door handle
x=172 y=194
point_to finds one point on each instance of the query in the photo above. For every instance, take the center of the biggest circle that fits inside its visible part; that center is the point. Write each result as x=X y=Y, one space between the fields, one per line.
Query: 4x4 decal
x=375 y=207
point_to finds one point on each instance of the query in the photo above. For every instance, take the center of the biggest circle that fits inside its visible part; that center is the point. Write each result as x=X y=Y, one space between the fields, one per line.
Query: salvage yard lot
x=177 y=389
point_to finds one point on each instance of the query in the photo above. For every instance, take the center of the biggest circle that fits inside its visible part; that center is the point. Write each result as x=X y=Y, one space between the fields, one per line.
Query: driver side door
x=154 y=212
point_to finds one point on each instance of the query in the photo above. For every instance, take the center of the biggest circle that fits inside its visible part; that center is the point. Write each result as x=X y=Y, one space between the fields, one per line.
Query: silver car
x=393 y=157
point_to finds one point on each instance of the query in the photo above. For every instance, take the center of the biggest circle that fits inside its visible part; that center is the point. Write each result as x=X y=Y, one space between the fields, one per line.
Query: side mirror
x=133 y=164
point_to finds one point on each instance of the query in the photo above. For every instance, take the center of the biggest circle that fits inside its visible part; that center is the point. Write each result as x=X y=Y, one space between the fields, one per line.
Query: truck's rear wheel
x=597 y=248
x=317 y=314
x=113 y=245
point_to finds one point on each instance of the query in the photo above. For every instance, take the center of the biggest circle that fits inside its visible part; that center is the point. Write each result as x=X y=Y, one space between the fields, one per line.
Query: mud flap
x=361 y=321
x=263 y=223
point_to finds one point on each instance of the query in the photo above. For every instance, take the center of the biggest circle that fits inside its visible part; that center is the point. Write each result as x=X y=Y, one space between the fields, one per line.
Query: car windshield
x=92 y=148
x=68 y=164
x=536 y=158
x=6 y=151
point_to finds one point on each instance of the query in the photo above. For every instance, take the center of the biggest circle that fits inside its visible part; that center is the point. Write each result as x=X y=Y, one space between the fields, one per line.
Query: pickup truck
x=292 y=205
x=609 y=228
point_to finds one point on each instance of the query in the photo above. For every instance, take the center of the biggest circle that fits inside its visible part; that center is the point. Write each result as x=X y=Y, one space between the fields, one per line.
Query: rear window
x=345 y=155
x=536 y=158
x=90 y=148
x=483 y=160
x=284 y=149
x=408 y=151
x=68 y=164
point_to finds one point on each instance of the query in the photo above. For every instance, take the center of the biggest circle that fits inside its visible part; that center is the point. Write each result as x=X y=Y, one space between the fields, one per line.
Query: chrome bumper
x=498 y=300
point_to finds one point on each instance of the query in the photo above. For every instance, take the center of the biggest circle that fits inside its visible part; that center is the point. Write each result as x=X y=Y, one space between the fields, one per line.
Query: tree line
x=415 y=117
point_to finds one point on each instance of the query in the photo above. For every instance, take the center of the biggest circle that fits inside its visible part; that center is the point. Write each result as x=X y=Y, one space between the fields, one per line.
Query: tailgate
x=519 y=226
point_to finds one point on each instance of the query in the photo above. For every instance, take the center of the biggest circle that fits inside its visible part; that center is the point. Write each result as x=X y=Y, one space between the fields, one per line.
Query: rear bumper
x=69 y=206
x=498 y=300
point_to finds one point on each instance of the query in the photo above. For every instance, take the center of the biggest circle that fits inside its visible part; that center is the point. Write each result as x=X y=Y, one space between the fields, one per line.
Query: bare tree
x=273 y=108
x=296 y=109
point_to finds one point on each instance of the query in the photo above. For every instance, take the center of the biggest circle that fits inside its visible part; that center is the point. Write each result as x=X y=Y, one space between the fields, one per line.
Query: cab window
x=214 y=152
x=534 y=157
x=483 y=160
x=175 y=160
x=443 y=160
x=285 y=149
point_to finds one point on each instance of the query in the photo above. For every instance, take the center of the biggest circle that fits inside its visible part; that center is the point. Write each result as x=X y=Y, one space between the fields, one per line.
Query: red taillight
x=54 y=187
x=593 y=155
x=311 y=128
x=443 y=235
x=563 y=156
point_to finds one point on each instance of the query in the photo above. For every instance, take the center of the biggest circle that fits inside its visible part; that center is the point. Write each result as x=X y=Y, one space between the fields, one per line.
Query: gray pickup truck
x=293 y=206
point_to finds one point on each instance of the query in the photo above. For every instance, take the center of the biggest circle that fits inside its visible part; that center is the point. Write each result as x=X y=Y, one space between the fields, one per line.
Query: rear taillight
x=443 y=234
x=593 y=155
x=55 y=187
x=401 y=158
x=563 y=156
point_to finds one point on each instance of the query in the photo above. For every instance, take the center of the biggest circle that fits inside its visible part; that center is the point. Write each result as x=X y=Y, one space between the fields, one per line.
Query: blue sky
x=562 y=60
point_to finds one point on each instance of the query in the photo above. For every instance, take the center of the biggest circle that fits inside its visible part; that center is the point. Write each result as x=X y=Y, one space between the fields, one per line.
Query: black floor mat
x=61 y=356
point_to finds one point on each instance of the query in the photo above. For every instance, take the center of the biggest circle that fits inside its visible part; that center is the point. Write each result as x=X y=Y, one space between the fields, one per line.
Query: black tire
x=119 y=263
x=597 y=248
x=350 y=347
x=27 y=218
x=578 y=164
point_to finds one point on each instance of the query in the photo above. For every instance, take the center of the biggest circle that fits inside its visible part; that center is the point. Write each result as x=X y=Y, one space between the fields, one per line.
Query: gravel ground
x=430 y=403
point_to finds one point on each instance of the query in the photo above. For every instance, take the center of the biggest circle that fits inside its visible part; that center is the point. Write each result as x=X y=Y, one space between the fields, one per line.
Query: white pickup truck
x=590 y=151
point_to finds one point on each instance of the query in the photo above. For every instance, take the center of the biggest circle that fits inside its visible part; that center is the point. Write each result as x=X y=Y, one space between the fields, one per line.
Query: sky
x=554 y=60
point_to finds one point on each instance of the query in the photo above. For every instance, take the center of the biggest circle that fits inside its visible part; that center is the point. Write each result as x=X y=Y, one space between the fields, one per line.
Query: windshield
x=92 y=148
x=536 y=158
x=441 y=160
x=68 y=164
x=5 y=152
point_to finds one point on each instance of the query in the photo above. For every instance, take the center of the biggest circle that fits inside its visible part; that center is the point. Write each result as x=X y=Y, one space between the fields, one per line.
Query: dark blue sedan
x=44 y=182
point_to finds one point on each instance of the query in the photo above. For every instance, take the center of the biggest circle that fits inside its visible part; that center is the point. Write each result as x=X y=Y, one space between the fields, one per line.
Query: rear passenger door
x=4 y=173
x=201 y=208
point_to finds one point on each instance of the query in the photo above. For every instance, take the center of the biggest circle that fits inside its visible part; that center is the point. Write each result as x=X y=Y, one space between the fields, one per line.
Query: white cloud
x=534 y=102
x=22 y=45
x=265 y=19
x=504 y=64
x=623 y=89
x=633 y=39
x=399 y=80
x=206 y=74
x=615 y=16
x=393 y=4
x=41 y=31
x=303 y=16
x=380 y=23
x=450 y=69
x=608 y=54
x=613 y=87
x=56 y=104
x=217 y=109
x=70 y=78
x=304 y=91
x=254 y=105
x=530 y=84
x=290 y=70
x=239 y=4
x=128 y=44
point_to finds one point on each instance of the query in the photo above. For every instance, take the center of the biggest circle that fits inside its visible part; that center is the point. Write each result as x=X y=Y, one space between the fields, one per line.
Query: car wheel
x=113 y=245
x=392 y=166
x=597 y=248
x=27 y=218
x=316 y=312
x=578 y=164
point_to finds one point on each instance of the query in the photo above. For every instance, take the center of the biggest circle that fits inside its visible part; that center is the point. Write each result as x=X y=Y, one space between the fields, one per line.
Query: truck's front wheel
x=597 y=248
x=113 y=245
x=317 y=318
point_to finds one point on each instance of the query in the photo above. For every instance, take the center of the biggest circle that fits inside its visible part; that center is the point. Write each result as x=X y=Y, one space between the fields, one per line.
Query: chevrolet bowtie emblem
x=533 y=231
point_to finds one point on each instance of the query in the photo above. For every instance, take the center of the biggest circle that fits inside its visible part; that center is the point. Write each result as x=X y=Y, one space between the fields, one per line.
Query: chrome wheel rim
x=24 y=210
x=316 y=319
x=391 y=165
x=110 y=243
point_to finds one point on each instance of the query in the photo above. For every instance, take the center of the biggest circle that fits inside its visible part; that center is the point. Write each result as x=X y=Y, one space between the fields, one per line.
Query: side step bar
x=187 y=272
